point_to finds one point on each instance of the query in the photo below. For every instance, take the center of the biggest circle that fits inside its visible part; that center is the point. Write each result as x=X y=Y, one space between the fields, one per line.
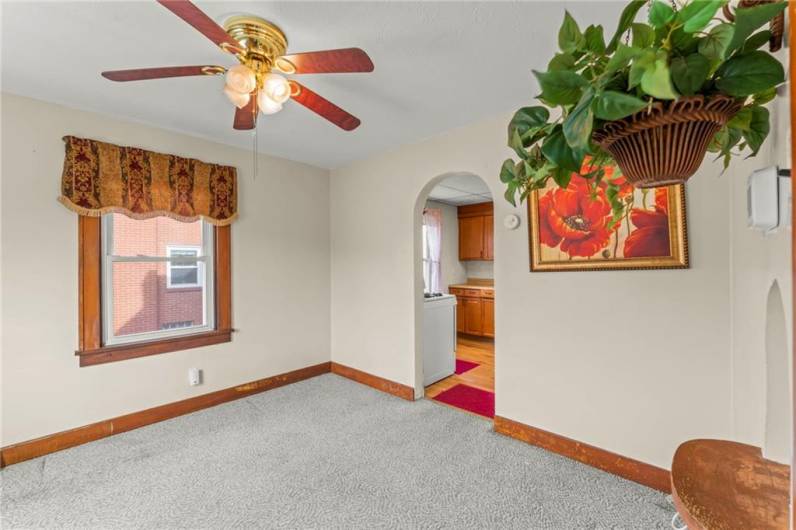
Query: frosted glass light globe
x=266 y=104
x=277 y=87
x=240 y=78
x=239 y=99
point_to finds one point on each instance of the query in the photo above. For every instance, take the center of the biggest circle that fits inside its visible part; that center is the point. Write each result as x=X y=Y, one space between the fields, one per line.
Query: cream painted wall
x=631 y=361
x=280 y=271
x=759 y=260
x=453 y=270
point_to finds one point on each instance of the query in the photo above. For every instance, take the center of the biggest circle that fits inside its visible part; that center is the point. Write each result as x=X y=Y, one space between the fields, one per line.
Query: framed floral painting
x=574 y=228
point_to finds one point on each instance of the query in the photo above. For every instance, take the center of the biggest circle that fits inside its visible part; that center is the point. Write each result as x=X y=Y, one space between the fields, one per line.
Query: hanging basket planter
x=645 y=106
x=666 y=144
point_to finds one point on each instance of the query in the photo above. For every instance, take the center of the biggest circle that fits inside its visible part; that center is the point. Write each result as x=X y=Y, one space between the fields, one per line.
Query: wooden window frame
x=92 y=351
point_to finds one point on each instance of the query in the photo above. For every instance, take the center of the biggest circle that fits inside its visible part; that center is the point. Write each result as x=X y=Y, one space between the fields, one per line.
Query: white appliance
x=439 y=338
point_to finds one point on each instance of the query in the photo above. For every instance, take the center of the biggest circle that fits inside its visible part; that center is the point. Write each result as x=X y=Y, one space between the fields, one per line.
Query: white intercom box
x=768 y=198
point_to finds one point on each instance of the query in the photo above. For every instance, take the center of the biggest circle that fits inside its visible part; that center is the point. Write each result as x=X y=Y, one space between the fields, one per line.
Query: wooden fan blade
x=203 y=23
x=139 y=74
x=246 y=118
x=344 y=60
x=323 y=107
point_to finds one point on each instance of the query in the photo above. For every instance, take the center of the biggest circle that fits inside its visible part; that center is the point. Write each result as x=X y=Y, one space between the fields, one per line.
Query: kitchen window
x=151 y=286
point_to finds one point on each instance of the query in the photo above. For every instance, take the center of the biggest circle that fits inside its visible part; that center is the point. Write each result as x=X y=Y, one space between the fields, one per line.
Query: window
x=182 y=274
x=151 y=286
x=147 y=267
x=432 y=250
x=426 y=262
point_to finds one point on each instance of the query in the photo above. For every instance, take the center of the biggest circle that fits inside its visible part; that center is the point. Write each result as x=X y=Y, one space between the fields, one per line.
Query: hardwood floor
x=474 y=349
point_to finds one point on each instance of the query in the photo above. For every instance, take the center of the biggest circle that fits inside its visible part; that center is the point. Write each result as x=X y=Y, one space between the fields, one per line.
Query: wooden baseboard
x=646 y=474
x=374 y=381
x=22 y=451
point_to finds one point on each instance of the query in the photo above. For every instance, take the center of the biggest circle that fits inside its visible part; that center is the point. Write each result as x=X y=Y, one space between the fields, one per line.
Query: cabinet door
x=489 y=222
x=473 y=319
x=489 y=317
x=460 y=315
x=471 y=238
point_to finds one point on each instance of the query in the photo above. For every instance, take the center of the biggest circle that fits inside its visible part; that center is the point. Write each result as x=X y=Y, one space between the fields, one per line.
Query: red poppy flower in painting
x=576 y=217
x=651 y=236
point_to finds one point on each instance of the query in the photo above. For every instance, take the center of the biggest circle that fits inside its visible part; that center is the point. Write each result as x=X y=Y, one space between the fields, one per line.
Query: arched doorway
x=454 y=263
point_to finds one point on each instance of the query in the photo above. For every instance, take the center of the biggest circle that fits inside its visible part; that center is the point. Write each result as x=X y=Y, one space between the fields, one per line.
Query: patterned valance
x=99 y=178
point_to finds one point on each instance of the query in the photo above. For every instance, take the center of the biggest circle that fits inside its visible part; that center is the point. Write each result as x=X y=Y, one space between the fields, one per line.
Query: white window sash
x=205 y=262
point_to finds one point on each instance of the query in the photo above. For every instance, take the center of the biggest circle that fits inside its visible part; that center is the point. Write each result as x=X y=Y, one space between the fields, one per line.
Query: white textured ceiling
x=459 y=189
x=438 y=66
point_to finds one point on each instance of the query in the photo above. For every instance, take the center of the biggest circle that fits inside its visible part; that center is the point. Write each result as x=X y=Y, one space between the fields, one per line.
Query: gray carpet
x=324 y=453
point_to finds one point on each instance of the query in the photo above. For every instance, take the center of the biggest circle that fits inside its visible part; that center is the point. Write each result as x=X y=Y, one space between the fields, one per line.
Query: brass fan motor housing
x=263 y=41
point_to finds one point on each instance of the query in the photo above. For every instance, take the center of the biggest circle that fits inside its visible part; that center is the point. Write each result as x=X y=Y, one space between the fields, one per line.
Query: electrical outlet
x=194 y=376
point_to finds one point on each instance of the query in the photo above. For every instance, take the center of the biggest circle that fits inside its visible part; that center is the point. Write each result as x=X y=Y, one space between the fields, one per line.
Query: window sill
x=121 y=352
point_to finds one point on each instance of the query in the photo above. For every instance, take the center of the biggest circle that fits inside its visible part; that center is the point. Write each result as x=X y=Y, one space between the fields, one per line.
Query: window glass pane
x=152 y=237
x=183 y=253
x=142 y=302
x=184 y=276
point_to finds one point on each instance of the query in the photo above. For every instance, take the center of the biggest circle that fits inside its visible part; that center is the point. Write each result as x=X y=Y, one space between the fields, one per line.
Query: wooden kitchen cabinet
x=476 y=225
x=488 y=318
x=489 y=224
x=473 y=316
x=475 y=311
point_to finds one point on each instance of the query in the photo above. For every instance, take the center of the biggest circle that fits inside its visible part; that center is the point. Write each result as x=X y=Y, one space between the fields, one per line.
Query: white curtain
x=432 y=249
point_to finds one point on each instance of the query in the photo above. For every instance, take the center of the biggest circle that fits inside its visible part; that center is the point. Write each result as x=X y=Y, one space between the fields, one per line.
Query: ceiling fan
x=256 y=84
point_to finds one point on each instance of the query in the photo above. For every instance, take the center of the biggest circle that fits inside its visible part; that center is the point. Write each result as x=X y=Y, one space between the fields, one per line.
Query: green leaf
x=621 y=58
x=507 y=171
x=714 y=45
x=742 y=120
x=761 y=98
x=759 y=128
x=510 y=193
x=570 y=38
x=660 y=14
x=756 y=40
x=562 y=176
x=561 y=61
x=578 y=125
x=612 y=105
x=698 y=13
x=561 y=87
x=689 y=73
x=749 y=73
x=595 y=42
x=556 y=149
x=645 y=61
x=515 y=142
x=683 y=43
x=528 y=120
x=657 y=80
x=749 y=19
x=625 y=19
x=643 y=35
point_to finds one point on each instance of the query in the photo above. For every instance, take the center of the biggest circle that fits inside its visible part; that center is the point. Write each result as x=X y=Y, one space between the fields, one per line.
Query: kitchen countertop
x=471 y=286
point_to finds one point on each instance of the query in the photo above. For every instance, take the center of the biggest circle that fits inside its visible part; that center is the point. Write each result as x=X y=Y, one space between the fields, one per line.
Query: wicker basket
x=666 y=144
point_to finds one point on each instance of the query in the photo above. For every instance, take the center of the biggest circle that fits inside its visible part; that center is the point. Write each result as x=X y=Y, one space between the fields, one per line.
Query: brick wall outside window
x=141 y=299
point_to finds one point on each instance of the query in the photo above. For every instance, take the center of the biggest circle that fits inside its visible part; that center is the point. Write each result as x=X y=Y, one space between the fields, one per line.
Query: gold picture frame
x=572 y=254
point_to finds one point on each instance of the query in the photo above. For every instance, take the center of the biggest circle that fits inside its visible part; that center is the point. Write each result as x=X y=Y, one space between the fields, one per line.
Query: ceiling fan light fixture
x=238 y=99
x=241 y=78
x=277 y=87
x=266 y=104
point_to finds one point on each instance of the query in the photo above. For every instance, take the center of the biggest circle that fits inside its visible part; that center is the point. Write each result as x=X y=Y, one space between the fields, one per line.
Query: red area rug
x=470 y=399
x=465 y=366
